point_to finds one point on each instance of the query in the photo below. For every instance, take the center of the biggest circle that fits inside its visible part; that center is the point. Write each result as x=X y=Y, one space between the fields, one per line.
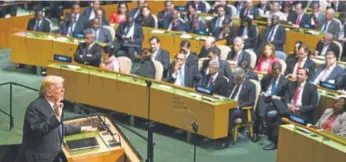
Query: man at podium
x=43 y=129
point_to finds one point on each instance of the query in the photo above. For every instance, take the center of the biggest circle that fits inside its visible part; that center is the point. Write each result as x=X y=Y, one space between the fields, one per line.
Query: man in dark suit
x=275 y=34
x=300 y=100
x=217 y=22
x=249 y=11
x=102 y=34
x=7 y=7
x=244 y=92
x=43 y=129
x=176 y=23
x=226 y=31
x=191 y=58
x=129 y=36
x=39 y=23
x=136 y=12
x=325 y=45
x=214 y=54
x=298 y=17
x=317 y=17
x=200 y=6
x=273 y=89
x=214 y=81
x=90 y=12
x=98 y=15
x=81 y=20
x=329 y=72
x=301 y=61
x=159 y=54
x=208 y=43
x=182 y=74
x=330 y=25
x=165 y=15
x=72 y=27
x=89 y=52
x=238 y=54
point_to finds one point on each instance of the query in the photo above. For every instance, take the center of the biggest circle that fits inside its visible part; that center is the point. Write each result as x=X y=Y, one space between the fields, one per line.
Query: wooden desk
x=296 y=146
x=128 y=94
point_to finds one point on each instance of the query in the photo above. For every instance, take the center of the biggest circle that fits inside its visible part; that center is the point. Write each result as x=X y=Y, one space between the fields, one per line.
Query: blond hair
x=48 y=81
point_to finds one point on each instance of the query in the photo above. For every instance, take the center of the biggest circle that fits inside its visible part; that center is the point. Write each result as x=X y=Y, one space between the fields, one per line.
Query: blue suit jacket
x=335 y=75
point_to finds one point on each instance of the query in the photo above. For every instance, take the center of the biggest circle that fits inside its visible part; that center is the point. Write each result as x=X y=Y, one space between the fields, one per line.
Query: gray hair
x=238 y=39
x=238 y=71
x=214 y=63
x=328 y=36
x=90 y=31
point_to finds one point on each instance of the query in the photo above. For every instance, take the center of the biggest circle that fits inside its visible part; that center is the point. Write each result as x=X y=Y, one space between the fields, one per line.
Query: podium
x=106 y=147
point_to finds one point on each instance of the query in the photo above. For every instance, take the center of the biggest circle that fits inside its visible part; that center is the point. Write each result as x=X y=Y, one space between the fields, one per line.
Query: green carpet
x=167 y=149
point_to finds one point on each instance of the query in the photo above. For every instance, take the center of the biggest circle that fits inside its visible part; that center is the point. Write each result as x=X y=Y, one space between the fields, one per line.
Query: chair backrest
x=281 y=55
x=340 y=48
x=258 y=91
x=207 y=6
x=283 y=66
x=156 y=20
x=158 y=70
x=234 y=10
x=111 y=31
x=125 y=64
x=253 y=57
x=224 y=51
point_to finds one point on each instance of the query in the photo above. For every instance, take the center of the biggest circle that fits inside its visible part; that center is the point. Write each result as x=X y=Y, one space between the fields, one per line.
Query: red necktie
x=298 y=20
x=296 y=95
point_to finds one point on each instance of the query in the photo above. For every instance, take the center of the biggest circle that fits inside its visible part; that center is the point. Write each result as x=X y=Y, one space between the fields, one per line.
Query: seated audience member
x=273 y=89
x=287 y=9
x=214 y=54
x=317 y=17
x=334 y=119
x=292 y=56
x=10 y=9
x=301 y=61
x=274 y=34
x=249 y=74
x=102 y=34
x=191 y=58
x=209 y=42
x=90 y=12
x=249 y=33
x=176 y=23
x=165 y=15
x=136 y=12
x=326 y=44
x=227 y=31
x=214 y=81
x=238 y=54
x=298 y=17
x=129 y=36
x=159 y=54
x=218 y=21
x=89 y=52
x=224 y=3
x=81 y=20
x=267 y=59
x=197 y=26
x=39 y=23
x=198 y=5
x=248 y=10
x=182 y=74
x=191 y=10
x=263 y=7
x=145 y=66
x=275 y=10
x=120 y=15
x=146 y=18
x=72 y=27
x=110 y=62
x=329 y=72
x=103 y=20
x=300 y=100
x=242 y=91
x=330 y=25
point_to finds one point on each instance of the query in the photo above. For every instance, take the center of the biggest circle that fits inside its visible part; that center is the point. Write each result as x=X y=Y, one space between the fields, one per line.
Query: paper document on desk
x=186 y=36
x=61 y=39
x=201 y=38
x=209 y=99
x=73 y=67
x=158 y=31
x=165 y=86
x=50 y=37
x=314 y=32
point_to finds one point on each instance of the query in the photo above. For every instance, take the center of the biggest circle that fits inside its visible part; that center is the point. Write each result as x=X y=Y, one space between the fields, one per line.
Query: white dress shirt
x=296 y=66
x=153 y=56
x=324 y=74
x=324 y=50
x=130 y=31
x=178 y=76
x=237 y=95
x=92 y=14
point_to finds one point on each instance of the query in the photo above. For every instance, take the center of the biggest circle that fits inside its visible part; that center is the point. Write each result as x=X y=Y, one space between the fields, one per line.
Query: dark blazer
x=81 y=22
x=192 y=76
x=104 y=22
x=163 y=20
x=104 y=36
x=78 y=29
x=335 y=75
x=163 y=57
x=81 y=55
x=252 y=12
x=88 y=10
x=201 y=6
x=279 y=38
x=45 y=25
x=247 y=95
x=192 y=59
x=309 y=99
x=41 y=134
x=232 y=34
x=212 y=25
x=148 y=22
x=137 y=36
x=224 y=69
x=228 y=11
x=267 y=81
x=134 y=11
x=252 y=33
x=332 y=47
x=309 y=64
x=244 y=56
x=201 y=30
x=145 y=69
x=305 y=21
x=219 y=86
x=180 y=27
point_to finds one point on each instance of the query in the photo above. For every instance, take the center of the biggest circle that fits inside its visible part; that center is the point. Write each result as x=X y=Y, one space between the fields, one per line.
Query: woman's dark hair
x=122 y=3
x=344 y=107
x=190 y=5
x=143 y=9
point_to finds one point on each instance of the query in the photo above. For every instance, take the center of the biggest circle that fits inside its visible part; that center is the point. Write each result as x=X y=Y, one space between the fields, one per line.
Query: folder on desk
x=81 y=144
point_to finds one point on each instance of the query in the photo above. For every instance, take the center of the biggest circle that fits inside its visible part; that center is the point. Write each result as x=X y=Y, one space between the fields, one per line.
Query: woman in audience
x=197 y=26
x=146 y=18
x=120 y=16
x=286 y=9
x=111 y=62
x=334 y=119
x=267 y=59
x=191 y=10
x=249 y=33
x=145 y=66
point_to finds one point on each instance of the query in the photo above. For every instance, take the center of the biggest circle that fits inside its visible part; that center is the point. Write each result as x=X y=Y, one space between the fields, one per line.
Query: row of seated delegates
x=6 y=8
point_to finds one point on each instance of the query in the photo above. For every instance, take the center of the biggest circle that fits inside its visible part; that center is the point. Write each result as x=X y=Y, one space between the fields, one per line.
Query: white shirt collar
x=51 y=104
x=330 y=68
x=92 y=44
x=215 y=76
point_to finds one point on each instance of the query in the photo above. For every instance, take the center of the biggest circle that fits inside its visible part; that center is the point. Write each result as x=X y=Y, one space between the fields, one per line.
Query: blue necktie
x=274 y=87
x=324 y=27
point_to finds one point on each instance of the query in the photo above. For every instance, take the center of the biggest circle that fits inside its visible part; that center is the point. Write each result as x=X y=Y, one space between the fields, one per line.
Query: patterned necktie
x=296 y=94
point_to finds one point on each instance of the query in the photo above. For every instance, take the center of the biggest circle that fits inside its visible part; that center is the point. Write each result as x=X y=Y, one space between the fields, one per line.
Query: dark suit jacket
x=224 y=69
x=88 y=10
x=45 y=25
x=163 y=20
x=267 y=81
x=137 y=36
x=252 y=12
x=305 y=21
x=163 y=57
x=81 y=55
x=192 y=76
x=202 y=30
x=179 y=27
x=228 y=11
x=201 y=6
x=332 y=47
x=309 y=64
x=81 y=22
x=219 y=86
x=41 y=135
x=247 y=95
x=148 y=22
x=252 y=33
x=232 y=34
x=279 y=38
x=134 y=11
x=309 y=99
x=244 y=56
x=251 y=75
x=104 y=22
x=335 y=75
x=192 y=59
x=78 y=29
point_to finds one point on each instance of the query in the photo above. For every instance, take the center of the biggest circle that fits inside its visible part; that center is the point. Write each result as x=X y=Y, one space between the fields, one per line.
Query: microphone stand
x=150 y=144
x=195 y=129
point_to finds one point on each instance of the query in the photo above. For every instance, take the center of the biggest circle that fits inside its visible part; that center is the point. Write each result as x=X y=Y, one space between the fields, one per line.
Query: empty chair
x=224 y=51
x=158 y=70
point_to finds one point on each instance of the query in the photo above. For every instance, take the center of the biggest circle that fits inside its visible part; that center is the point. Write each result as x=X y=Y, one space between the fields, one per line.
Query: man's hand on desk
x=88 y=129
x=292 y=108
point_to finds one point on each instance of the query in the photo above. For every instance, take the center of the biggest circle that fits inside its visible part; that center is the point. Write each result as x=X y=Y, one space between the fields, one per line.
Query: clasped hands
x=273 y=96
x=292 y=108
